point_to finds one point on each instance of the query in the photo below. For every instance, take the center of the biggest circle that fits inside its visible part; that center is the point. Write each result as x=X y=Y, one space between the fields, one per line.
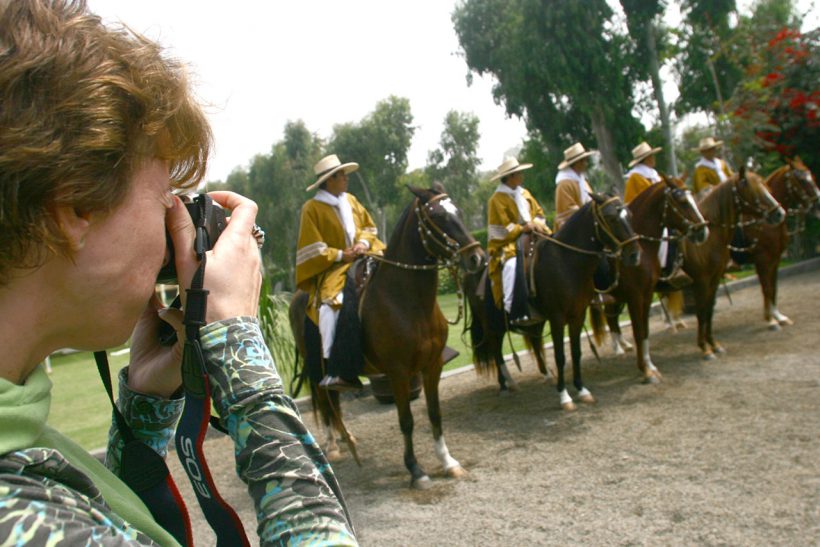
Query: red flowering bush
x=775 y=110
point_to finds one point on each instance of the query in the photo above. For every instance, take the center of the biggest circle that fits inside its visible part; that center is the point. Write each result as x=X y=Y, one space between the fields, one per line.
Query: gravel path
x=721 y=452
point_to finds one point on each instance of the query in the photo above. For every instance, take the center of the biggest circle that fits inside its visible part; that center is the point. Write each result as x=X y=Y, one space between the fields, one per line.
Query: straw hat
x=641 y=152
x=508 y=167
x=574 y=153
x=706 y=143
x=327 y=166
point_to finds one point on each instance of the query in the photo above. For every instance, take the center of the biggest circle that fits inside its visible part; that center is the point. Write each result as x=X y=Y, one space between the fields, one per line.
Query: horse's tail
x=480 y=341
x=597 y=319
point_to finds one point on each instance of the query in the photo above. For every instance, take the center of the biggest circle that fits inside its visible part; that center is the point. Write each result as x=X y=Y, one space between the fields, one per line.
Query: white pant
x=328 y=317
x=508 y=282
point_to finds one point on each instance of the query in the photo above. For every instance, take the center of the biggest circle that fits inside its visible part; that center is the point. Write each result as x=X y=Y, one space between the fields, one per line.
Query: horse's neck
x=647 y=214
x=778 y=188
x=579 y=232
x=407 y=249
x=720 y=212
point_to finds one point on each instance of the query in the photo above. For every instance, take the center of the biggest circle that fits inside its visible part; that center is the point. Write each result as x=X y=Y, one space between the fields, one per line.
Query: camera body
x=206 y=214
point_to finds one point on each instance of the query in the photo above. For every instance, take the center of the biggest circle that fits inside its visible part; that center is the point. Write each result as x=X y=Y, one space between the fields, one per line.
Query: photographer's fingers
x=181 y=227
x=233 y=274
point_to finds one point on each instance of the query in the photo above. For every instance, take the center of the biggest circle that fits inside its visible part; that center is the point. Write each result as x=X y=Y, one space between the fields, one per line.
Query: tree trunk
x=657 y=86
x=606 y=146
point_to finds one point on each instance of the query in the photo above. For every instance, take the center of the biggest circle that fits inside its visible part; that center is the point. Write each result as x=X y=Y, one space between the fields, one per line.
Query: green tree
x=379 y=144
x=643 y=21
x=455 y=164
x=560 y=64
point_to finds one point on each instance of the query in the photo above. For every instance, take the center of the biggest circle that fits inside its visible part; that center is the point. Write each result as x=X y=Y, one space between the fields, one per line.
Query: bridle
x=759 y=211
x=432 y=235
x=669 y=202
x=795 y=192
x=600 y=224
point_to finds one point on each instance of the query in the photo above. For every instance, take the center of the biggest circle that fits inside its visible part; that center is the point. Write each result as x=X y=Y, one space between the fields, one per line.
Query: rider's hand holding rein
x=232 y=277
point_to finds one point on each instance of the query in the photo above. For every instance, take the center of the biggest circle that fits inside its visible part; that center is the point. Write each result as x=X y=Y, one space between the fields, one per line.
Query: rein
x=690 y=226
x=430 y=232
x=600 y=223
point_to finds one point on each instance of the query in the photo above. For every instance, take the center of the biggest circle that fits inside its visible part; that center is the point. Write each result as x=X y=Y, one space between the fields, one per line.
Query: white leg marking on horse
x=565 y=398
x=583 y=393
x=782 y=319
x=447 y=461
x=646 y=357
x=616 y=347
x=511 y=383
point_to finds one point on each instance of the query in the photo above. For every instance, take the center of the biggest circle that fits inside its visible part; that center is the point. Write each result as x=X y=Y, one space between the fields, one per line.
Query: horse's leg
x=638 y=313
x=324 y=404
x=548 y=370
x=772 y=282
x=762 y=267
x=702 y=301
x=710 y=313
x=401 y=395
x=557 y=330
x=506 y=382
x=620 y=345
x=451 y=466
x=575 y=349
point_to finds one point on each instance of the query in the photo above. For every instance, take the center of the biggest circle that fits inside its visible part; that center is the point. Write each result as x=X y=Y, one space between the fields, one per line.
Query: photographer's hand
x=233 y=273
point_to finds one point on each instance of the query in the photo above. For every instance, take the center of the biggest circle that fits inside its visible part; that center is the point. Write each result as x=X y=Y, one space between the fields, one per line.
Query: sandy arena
x=724 y=452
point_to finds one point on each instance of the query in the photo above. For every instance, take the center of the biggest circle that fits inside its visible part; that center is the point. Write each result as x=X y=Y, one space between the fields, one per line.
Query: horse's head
x=754 y=198
x=686 y=217
x=801 y=188
x=442 y=231
x=613 y=228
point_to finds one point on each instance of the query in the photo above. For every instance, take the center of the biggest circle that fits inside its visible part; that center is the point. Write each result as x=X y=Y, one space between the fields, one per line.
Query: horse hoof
x=334 y=455
x=708 y=356
x=719 y=349
x=671 y=328
x=774 y=326
x=421 y=483
x=680 y=325
x=505 y=392
x=570 y=406
x=587 y=399
x=651 y=379
x=619 y=351
x=785 y=322
x=457 y=472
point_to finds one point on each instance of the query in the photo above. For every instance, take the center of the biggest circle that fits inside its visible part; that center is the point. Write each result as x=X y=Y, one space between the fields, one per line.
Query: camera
x=209 y=219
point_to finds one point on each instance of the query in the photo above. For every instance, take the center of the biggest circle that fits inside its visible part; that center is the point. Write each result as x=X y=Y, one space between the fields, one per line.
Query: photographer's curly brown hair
x=81 y=106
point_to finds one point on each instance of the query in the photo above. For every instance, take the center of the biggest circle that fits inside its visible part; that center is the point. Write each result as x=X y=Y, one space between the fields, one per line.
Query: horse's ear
x=420 y=193
x=599 y=198
x=438 y=187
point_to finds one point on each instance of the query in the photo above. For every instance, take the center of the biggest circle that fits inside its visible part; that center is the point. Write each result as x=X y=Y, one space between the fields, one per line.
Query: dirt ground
x=724 y=452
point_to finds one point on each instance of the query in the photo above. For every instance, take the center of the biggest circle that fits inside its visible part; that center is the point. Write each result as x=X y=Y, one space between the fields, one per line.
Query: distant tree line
x=573 y=71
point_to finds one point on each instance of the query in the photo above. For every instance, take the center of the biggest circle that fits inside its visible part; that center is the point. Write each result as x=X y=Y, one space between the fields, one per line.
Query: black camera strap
x=145 y=472
x=196 y=416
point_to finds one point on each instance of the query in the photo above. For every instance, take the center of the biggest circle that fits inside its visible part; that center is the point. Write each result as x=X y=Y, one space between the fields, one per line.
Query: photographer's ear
x=74 y=224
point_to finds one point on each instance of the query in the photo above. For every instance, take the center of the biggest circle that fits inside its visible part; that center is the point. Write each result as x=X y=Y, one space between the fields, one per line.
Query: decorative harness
x=599 y=224
x=691 y=227
x=431 y=233
x=758 y=210
x=805 y=202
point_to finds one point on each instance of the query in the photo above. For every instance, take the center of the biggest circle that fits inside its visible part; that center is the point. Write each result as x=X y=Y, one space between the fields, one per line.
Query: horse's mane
x=395 y=235
x=574 y=219
x=778 y=173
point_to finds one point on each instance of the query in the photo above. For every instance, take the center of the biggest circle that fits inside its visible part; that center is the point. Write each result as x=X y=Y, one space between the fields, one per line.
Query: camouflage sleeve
x=44 y=500
x=297 y=497
x=152 y=420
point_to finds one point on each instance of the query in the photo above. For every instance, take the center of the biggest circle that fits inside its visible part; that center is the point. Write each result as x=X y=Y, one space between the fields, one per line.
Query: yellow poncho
x=319 y=269
x=706 y=177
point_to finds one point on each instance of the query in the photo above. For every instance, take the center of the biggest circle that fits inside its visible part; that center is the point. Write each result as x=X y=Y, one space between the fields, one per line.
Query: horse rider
x=572 y=189
x=710 y=170
x=511 y=212
x=642 y=173
x=334 y=230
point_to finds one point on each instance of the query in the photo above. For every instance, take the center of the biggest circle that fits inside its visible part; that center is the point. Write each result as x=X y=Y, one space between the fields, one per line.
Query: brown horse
x=740 y=201
x=563 y=277
x=403 y=329
x=666 y=204
x=795 y=189
x=562 y=272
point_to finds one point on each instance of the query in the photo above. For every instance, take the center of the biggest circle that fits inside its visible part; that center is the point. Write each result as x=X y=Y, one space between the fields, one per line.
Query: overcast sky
x=258 y=64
